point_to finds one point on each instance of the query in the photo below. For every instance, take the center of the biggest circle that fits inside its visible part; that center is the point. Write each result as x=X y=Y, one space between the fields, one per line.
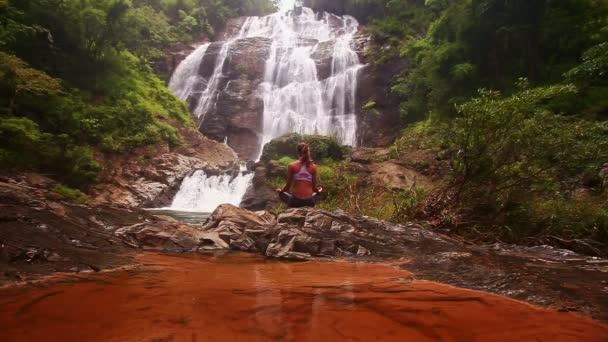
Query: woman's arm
x=290 y=173
x=315 y=188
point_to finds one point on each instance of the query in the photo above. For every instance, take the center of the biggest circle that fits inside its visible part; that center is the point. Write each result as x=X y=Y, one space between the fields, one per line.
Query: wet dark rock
x=169 y=237
x=305 y=233
x=208 y=63
x=378 y=125
x=166 y=64
x=247 y=57
x=231 y=28
x=260 y=195
x=40 y=235
x=238 y=113
x=323 y=57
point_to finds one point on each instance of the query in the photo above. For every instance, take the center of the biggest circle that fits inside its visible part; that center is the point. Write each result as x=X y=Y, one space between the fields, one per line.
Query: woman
x=302 y=174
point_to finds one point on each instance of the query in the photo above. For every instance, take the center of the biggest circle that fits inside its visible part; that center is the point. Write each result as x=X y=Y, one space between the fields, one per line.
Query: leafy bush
x=321 y=147
x=70 y=194
x=513 y=145
x=285 y=161
x=406 y=204
x=75 y=76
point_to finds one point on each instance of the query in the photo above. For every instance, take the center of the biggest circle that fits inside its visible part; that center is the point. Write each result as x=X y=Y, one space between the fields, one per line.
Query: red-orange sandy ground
x=239 y=297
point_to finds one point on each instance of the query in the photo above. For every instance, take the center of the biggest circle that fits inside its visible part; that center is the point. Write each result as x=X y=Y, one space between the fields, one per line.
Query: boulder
x=208 y=62
x=169 y=237
x=367 y=155
x=392 y=175
x=306 y=232
x=260 y=195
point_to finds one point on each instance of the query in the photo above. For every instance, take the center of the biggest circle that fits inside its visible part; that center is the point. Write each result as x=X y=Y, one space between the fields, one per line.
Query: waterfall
x=295 y=99
x=186 y=76
x=309 y=87
x=202 y=192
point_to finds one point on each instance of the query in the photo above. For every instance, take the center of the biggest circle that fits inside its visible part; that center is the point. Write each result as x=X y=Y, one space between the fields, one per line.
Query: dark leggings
x=294 y=202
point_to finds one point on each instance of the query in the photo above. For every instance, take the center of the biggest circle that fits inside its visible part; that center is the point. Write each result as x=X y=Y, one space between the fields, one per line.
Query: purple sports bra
x=303 y=175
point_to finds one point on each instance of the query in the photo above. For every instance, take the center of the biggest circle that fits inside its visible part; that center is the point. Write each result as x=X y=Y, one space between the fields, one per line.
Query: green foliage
x=145 y=32
x=74 y=78
x=285 y=161
x=17 y=78
x=369 y=105
x=406 y=203
x=421 y=136
x=73 y=195
x=19 y=137
x=594 y=68
x=571 y=218
x=456 y=47
x=514 y=161
x=517 y=152
x=321 y=147
x=79 y=166
x=514 y=143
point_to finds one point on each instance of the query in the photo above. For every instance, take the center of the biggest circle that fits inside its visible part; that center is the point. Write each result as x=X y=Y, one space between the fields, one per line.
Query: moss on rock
x=321 y=147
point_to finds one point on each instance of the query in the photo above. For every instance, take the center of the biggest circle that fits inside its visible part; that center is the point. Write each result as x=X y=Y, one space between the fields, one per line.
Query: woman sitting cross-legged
x=301 y=189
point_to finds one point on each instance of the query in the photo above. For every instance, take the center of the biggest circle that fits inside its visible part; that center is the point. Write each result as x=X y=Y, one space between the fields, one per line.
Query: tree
x=19 y=78
x=145 y=32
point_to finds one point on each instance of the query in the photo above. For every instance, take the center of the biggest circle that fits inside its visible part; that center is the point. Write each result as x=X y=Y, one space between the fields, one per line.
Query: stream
x=234 y=296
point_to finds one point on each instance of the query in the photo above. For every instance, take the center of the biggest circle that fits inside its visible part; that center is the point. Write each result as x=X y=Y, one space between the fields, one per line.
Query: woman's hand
x=319 y=190
x=279 y=190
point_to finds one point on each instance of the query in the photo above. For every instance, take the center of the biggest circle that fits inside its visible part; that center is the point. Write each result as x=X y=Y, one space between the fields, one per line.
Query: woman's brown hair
x=304 y=153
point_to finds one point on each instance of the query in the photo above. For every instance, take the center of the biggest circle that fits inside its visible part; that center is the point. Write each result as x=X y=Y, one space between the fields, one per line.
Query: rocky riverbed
x=42 y=233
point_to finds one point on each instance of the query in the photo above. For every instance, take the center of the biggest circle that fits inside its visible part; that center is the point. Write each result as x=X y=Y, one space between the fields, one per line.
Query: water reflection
x=188 y=217
x=236 y=297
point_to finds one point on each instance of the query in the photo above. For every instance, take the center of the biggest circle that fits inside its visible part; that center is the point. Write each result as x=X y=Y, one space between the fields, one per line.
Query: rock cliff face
x=238 y=115
x=380 y=124
x=150 y=176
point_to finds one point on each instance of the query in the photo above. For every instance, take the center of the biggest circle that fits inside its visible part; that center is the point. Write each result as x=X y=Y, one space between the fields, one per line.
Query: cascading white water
x=296 y=99
x=186 y=76
x=201 y=192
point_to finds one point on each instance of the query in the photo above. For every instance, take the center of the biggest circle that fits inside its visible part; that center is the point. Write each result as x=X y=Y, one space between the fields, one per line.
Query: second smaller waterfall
x=203 y=192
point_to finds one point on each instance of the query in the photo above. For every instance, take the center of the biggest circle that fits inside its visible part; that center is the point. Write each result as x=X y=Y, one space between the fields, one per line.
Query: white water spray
x=201 y=192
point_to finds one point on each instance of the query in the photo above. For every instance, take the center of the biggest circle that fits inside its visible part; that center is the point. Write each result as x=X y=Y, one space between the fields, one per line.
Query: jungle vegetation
x=513 y=95
x=76 y=77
